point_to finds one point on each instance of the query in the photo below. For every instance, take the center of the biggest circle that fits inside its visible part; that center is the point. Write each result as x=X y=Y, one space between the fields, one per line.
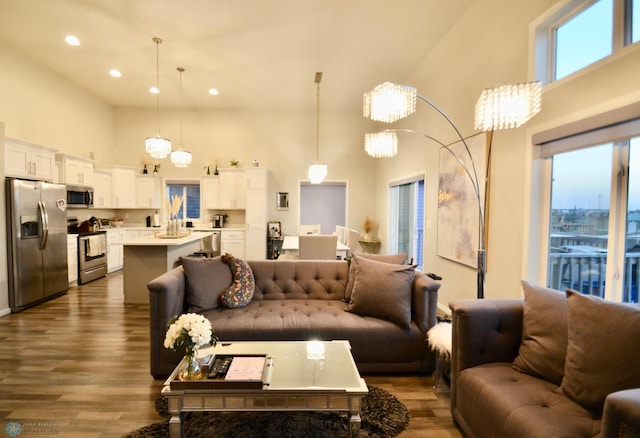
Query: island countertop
x=160 y=240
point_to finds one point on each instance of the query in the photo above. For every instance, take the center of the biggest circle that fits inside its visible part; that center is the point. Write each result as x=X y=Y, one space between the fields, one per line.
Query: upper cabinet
x=102 y=189
x=211 y=192
x=148 y=190
x=75 y=170
x=26 y=160
x=233 y=189
x=124 y=183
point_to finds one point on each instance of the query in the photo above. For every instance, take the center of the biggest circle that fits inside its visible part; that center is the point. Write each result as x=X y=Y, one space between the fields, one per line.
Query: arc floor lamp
x=507 y=106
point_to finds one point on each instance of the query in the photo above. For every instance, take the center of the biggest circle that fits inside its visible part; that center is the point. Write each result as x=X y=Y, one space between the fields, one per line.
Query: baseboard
x=5 y=312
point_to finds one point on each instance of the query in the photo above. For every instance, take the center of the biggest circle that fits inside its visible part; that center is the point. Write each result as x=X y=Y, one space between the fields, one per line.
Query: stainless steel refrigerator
x=37 y=242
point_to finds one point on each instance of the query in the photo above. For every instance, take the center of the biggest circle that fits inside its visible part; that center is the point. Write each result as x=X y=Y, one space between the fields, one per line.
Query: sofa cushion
x=398 y=259
x=601 y=358
x=544 y=333
x=382 y=290
x=207 y=279
x=240 y=292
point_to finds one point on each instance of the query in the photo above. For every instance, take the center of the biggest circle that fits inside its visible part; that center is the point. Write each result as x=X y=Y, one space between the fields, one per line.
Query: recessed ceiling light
x=72 y=40
x=154 y=90
x=115 y=73
x=213 y=91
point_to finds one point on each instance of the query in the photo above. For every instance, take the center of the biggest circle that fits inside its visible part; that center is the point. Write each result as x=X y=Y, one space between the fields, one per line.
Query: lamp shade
x=507 y=106
x=381 y=144
x=157 y=146
x=389 y=102
x=317 y=173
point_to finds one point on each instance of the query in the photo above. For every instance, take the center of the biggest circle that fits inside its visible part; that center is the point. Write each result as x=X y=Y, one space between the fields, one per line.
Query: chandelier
x=317 y=172
x=180 y=157
x=157 y=146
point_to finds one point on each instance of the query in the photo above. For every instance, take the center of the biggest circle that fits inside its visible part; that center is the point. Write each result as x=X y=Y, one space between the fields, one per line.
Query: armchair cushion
x=544 y=333
x=207 y=279
x=600 y=356
x=382 y=290
x=241 y=291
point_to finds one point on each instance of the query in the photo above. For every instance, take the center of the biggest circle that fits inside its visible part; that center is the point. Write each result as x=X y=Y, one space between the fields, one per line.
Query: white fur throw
x=439 y=337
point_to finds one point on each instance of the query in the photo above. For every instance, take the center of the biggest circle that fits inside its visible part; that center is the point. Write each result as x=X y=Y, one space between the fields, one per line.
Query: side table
x=370 y=246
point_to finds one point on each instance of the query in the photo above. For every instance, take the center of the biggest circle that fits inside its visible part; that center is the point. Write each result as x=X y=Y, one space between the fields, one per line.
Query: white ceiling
x=260 y=54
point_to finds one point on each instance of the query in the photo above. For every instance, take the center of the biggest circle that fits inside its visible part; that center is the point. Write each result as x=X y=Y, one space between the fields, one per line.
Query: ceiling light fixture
x=213 y=91
x=180 y=157
x=157 y=146
x=115 y=73
x=317 y=172
x=72 y=40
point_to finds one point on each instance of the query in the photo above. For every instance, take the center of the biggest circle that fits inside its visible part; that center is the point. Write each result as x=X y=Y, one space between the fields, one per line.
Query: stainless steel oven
x=92 y=256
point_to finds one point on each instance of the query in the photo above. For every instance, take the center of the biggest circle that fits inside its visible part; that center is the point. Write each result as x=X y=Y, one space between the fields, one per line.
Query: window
x=579 y=33
x=190 y=208
x=594 y=238
x=406 y=221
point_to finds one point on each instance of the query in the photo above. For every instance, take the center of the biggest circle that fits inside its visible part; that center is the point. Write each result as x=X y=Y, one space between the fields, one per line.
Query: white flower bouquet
x=189 y=331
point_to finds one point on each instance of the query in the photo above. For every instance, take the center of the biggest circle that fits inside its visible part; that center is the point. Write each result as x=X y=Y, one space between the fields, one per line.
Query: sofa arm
x=166 y=299
x=621 y=416
x=424 y=302
x=485 y=331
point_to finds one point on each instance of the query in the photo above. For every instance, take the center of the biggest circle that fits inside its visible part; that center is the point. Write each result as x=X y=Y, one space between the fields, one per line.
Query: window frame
x=184 y=182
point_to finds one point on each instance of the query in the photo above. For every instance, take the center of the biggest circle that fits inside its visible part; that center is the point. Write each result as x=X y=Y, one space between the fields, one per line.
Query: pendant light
x=180 y=157
x=317 y=172
x=157 y=146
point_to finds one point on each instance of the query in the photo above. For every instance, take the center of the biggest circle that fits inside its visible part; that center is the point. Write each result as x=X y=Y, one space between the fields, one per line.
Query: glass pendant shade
x=317 y=173
x=381 y=144
x=157 y=146
x=507 y=106
x=389 y=102
x=181 y=158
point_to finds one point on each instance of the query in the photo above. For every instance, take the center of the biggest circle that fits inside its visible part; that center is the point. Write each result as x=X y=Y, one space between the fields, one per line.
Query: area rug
x=382 y=414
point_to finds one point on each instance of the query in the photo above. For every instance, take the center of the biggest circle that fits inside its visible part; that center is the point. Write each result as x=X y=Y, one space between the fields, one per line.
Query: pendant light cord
x=317 y=80
x=158 y=41
x=181 y=70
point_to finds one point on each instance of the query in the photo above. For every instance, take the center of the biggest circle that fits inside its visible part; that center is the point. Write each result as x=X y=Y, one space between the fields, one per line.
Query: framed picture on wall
x=274 y=229
x=282 y=201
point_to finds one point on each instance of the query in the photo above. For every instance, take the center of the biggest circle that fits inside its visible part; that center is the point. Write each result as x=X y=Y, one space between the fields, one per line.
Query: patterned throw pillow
x=240 y=292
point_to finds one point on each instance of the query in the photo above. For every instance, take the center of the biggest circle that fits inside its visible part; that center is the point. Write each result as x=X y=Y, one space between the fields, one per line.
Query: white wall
x=4 y=279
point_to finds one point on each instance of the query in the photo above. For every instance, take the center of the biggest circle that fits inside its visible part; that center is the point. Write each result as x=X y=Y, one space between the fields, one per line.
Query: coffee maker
x=218 y=220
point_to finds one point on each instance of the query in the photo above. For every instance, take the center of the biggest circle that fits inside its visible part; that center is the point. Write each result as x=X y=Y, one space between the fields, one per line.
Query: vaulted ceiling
x=259 y=54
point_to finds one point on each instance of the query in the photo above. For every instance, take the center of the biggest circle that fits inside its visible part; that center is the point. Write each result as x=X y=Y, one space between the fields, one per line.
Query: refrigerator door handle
x=44 y=219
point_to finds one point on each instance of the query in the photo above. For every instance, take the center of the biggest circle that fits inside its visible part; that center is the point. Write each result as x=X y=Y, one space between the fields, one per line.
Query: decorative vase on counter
x=191 y=368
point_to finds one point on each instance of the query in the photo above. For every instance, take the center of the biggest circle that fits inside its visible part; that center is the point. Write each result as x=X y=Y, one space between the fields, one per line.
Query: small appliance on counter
x=219 y=220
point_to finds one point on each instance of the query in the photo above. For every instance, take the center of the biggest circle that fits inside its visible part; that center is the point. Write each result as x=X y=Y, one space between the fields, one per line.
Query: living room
x=476 y=45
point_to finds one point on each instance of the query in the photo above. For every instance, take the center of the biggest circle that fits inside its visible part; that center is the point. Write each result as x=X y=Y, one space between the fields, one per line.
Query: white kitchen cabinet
x=211 y=193
x=233 y=189
x=26 y=160
x=233 y=242
x=114 y=252
x=75 y=170
x=124 y=183
x=102 y=189
x=72 y=257
x=148 y=189
x=256 y=213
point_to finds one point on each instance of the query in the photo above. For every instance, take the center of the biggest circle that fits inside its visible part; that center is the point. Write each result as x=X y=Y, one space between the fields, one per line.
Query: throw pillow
x=601 y=358
x=382 y=290
x=397 y=259
x=206 y=280
x=241 y=291
x=544 y=333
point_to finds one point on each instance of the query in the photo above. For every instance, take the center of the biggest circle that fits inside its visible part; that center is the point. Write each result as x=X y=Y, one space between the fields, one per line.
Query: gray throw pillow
x=206 y=280
x=544 y=333
x=382 y=290
x=602 y=356
x=398 y=259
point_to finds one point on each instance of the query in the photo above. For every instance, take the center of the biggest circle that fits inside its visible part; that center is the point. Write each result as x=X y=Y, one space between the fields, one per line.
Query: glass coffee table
x=300 y=376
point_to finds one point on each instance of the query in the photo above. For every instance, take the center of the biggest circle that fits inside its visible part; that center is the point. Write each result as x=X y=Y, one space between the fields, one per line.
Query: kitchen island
x=145 y=258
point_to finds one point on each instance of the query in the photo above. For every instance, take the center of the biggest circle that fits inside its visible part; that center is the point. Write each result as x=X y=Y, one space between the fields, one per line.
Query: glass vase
x=191 y=368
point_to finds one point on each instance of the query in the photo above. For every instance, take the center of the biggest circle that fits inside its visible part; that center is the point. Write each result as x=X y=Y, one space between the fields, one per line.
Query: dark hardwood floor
x=78 y=366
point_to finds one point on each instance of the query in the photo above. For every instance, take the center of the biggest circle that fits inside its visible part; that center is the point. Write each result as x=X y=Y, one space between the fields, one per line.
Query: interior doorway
x=324 y=204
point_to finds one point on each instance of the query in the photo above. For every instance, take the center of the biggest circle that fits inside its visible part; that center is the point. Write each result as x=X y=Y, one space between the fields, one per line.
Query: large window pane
x=190 y=193
x=632 y=253
x=580 y=195
x=408 y=230
x=584 y=39
x=635 y=20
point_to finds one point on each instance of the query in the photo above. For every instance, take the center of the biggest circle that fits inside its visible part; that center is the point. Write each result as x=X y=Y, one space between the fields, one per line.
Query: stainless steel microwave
x=79 y=197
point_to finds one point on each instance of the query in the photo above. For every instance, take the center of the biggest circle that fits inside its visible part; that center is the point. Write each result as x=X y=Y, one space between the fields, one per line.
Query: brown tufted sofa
x=489 y=398
x=303 y=300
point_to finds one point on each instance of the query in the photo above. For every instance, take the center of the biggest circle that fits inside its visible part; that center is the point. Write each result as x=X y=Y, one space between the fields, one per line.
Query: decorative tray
x=227 y=371
x=173 y=236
